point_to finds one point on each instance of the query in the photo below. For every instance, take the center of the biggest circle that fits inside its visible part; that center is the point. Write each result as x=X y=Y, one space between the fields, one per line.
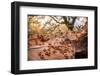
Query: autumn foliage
x=53 y=37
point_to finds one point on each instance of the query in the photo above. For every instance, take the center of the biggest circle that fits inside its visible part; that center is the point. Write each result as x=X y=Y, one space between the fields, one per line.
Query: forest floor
x=58 y=48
